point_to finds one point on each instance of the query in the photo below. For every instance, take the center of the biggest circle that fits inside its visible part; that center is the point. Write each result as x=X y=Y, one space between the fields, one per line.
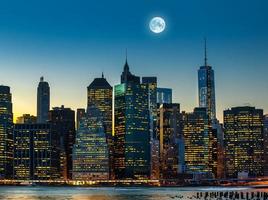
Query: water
x=110 y=193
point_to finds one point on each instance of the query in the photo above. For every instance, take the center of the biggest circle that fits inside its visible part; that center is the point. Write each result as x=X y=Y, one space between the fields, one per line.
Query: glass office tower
x=36 y=152
x=6 y=135
x=243 y=134
x=132 y=128
x=206 y=88
x=197 y=132
x=91 y=152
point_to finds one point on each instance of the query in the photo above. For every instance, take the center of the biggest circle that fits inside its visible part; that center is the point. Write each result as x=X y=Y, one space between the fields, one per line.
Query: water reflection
x=102 y=193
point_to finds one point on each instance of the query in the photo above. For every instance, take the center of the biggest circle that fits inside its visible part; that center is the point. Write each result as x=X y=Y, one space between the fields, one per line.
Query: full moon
x=157 y=25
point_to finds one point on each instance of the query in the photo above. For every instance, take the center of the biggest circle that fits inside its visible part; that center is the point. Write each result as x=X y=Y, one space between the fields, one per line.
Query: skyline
x=73 y=41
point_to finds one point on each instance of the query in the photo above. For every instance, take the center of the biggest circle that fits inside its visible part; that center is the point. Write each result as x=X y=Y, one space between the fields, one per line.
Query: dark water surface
x=111 y=193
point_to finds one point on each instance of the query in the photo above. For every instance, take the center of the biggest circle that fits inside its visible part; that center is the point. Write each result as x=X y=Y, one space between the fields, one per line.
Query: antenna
x=206 y=59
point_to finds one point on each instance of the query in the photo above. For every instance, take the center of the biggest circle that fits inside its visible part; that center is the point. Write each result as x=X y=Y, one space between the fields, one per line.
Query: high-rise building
x=132 y=125
x=80 y=113
x=26 y=119
x=91 y=152
x=265 y=137
x=43 y=101
x=6 y=136
x=164 y=95
x=63 y=124
x=197 y=132
x=206 y=88
x=36 y=152
x=151 y=83
x=100 y=96
x=217 y=162
x=169 y=135
x=243 y=134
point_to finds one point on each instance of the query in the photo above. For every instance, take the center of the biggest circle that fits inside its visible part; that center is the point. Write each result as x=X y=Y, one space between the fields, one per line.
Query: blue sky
x=72 y=42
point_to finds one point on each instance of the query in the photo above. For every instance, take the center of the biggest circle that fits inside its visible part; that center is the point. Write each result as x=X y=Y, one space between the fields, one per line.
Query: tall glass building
x=243 y=134
x=132 y=128
x=164 y=95
x=169 y=133
x=36 y=152
x=91 y=152
x=6 y=135
x=43 y=101
x=197 y=132
x=151 y=83
x=63 y=123
x=206 y=88
x=265 y=135
x=100 y=96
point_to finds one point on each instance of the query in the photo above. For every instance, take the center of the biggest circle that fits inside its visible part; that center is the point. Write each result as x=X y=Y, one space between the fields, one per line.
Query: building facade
x=243 y=134
x=100 y=96
x=197 y=132
x=164 y=95
x=169 y=135
x=6 y=138
x=36 y=152
x=132 y=128
x=43 y=101
x=151 y=83
x=63 y=123
x=91 y=151
x=265 y=142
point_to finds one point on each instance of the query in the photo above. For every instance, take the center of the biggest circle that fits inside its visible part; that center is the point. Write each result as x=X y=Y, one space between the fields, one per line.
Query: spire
x=102 y=75
x=41 y=79
x=126 y=55
x=126 y=67
x=206 y=59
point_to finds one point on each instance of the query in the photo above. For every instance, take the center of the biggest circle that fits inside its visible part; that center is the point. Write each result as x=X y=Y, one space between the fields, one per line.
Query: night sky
x=72 y=42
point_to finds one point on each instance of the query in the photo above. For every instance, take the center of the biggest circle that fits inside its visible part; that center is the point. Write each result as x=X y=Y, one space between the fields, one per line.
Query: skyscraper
x=132 y=124
x=91 y=152
x=151 y=83
x=206 y=88
x=164 y=95
x=197 y=132
x=100 y=96
x=43 y=101
x=169 y=135
x=6 y=136
x=63 y=124
x=243 y=134
x=36 y=152
x=265 y=135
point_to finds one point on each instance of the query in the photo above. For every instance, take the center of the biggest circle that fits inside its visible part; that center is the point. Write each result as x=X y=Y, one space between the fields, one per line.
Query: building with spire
x=132 y=128
x=127 y=76
x=206 y=88
x=100 y=96
x=43 y=101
